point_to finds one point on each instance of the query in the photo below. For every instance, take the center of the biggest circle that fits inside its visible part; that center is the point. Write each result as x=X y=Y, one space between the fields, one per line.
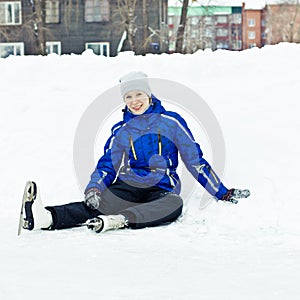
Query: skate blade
x=28 y=196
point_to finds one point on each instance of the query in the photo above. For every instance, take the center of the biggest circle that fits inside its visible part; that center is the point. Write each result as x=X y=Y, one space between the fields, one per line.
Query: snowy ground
x=245 y=251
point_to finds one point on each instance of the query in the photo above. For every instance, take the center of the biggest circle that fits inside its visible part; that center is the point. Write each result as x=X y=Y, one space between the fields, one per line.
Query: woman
x=135 y=183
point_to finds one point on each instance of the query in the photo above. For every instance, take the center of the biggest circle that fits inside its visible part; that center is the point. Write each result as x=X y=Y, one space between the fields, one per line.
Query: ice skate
x=35 y=215
x=104 y=223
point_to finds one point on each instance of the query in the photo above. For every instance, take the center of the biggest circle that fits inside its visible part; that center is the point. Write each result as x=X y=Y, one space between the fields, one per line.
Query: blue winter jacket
x=143 y=150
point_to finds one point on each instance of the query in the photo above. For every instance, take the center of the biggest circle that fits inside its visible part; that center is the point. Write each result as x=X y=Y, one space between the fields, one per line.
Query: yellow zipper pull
x=132 y=148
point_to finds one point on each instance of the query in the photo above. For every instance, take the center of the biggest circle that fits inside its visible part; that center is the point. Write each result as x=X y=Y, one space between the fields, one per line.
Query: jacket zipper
x=132 y=148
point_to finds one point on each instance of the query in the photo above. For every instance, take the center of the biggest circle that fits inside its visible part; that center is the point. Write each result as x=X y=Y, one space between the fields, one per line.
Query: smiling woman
x=135 y=183
x=137 y=102
x=136 y=92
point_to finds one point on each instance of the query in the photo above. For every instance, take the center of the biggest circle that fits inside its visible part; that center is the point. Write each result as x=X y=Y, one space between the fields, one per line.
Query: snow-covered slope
x=245 y=251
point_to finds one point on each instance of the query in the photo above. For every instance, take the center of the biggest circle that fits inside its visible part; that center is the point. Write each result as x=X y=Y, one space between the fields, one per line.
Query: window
x=208 y=32
x=236 y=18
x=53 y=47
x=222 y=19
x=52 y=12
x=236 y=32
x=7 y=49
x=194 y=21
x=96 y=11
x=98 y=48
x=222 y=45
x=10 y=13
x=237 y=45
x=172 y=46
x=222 y=32
x=252 y=45
x=251 y=22
x=208 y=20
x=208 y=45
x=194 y=33
x=251 y=35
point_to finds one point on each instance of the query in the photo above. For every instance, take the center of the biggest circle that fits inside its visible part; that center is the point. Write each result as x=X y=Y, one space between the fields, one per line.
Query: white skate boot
x=36 y=216
x=104 y=223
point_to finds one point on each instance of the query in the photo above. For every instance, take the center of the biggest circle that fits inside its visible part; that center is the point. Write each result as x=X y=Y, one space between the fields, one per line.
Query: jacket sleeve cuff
x=221 y=192
x=92 y=185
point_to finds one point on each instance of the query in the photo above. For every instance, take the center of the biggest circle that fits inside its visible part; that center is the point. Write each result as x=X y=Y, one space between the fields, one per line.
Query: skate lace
x=116 y=223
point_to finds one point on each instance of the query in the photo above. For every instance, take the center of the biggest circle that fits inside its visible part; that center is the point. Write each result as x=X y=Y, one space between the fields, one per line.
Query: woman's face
x=137 y=102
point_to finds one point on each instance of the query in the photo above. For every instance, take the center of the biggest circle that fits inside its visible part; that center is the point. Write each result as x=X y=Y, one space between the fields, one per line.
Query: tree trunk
x=293 y=23
x=145 y=27
x=181 y=27
x=126 y=9
x=39 y=7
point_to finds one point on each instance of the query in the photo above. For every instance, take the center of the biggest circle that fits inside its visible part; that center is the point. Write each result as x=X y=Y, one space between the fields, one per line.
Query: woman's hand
x=92 y=198
x=233 y=194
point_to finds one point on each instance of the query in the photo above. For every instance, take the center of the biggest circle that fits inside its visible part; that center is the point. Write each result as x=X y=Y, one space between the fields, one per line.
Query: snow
x=246 y=251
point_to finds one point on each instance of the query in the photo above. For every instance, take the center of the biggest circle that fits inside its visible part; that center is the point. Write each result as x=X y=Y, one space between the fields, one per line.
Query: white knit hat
x=135 y=81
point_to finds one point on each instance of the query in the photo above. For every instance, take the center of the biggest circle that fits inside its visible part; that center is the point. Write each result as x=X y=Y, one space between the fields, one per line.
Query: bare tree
x=134 y=20
x=184 y=34
x=5 y=34
x=283 y=22
x=181 y=27
x=294 y=24
x=159 y=35
x=145 y=26
x=32 y=28
x=71 y=11
x=37 y=21
x=126 y=9
x=38 y=16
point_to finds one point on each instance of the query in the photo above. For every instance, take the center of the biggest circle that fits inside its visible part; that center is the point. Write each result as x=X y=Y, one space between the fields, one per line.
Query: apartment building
x=252 y=27
x=236 y=27
x=214 y=27
x=66 y=27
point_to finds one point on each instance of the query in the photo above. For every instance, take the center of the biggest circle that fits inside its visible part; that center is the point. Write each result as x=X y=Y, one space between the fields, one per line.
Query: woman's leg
x=117 y=197
x=167 y=208
x=70 y=215
x=142 y=207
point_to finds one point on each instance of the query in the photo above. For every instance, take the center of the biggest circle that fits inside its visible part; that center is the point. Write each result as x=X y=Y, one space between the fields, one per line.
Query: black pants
x=141 y=206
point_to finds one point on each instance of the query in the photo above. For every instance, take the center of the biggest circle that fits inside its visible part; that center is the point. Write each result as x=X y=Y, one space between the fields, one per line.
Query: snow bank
x=253 y=94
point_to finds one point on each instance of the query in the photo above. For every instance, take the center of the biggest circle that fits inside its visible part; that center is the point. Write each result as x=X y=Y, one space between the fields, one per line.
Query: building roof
x=201 y=10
